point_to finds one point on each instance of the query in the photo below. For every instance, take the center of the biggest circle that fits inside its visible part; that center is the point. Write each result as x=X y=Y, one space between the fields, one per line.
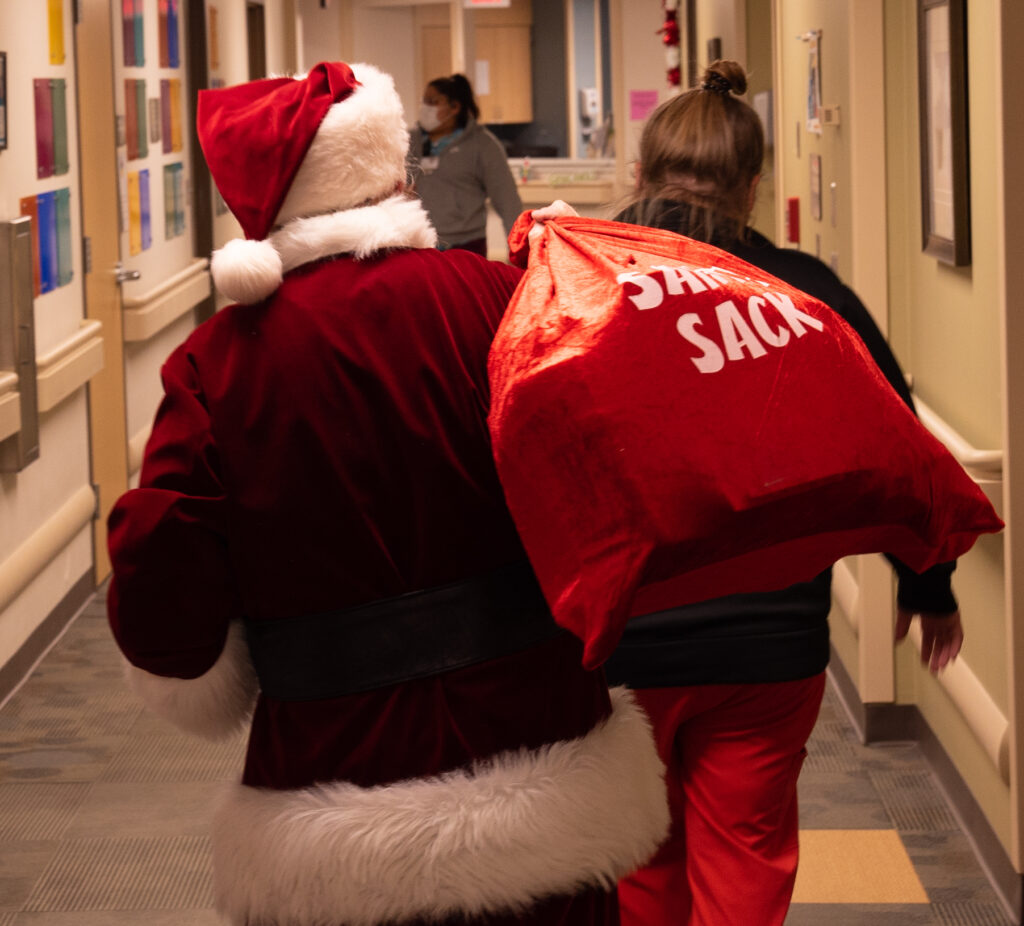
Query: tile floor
x=103 y=813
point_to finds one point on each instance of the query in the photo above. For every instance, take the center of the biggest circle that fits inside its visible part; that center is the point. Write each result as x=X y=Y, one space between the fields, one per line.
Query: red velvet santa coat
x=326 y=448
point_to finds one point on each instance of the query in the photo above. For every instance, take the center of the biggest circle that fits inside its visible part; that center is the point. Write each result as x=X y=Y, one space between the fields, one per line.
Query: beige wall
x=946 y=327
x=944 y=323
x=726 y=20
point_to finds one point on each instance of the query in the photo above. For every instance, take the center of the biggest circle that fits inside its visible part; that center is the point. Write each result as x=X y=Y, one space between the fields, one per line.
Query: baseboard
x=878 y=723
x=17 y=668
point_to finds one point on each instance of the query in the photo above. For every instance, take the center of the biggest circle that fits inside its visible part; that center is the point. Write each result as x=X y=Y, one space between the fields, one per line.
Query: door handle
x=123 y=275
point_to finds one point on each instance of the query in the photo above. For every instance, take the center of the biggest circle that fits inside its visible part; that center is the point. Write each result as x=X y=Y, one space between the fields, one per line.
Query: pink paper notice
x=642 y=103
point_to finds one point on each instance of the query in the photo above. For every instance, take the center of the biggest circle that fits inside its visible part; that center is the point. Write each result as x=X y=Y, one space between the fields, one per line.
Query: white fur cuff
x=213 y=706
x=520 y=827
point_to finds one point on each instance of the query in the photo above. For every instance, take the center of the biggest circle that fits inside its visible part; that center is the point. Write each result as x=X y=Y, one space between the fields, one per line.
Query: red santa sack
x=672 y=424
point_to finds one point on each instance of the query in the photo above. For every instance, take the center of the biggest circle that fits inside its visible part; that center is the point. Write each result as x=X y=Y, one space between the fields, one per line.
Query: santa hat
x=284 y=148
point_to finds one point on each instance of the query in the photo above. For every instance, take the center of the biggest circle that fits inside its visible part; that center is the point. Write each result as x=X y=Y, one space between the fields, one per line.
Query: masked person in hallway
x=458 y=166
x=319 y=553
x=733 y=685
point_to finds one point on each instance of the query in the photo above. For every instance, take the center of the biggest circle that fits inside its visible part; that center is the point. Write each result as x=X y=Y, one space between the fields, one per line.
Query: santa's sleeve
x=173 y=603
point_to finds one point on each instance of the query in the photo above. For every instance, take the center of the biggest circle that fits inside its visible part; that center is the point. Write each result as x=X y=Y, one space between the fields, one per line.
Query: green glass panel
x=64 y=255
x=58 y=93
x=169 y=201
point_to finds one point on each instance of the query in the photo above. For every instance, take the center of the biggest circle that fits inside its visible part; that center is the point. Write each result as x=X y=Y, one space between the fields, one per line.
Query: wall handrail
x=982 y=715
x=984 y=462
x=196 y=267
x=69 y=366
x=28 y=560
x=89 y=328
x=146 y=315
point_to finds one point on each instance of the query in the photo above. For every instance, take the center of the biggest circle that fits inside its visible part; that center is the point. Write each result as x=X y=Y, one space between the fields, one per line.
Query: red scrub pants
x=733 y=755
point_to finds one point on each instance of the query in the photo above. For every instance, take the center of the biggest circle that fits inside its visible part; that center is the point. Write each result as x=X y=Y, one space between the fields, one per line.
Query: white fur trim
x=215 y=705
x=246 y=271
x=397 y=222
x=519 y=827
x=358 y=153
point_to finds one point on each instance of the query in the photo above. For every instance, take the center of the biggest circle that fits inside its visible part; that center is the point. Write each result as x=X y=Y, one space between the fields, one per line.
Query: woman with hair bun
x=459 y=165
x=733 y=686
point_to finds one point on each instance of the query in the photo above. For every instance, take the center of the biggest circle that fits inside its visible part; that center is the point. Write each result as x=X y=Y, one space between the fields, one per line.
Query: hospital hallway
x=104 y=812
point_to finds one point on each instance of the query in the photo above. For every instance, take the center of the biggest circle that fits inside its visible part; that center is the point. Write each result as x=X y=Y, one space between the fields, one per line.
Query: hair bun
x=725 y=77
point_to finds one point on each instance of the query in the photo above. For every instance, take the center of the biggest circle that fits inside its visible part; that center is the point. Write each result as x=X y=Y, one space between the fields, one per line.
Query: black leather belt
x=394 y=640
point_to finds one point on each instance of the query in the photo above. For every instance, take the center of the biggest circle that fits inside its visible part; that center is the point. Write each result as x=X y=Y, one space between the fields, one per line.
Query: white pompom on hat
x=286 y=148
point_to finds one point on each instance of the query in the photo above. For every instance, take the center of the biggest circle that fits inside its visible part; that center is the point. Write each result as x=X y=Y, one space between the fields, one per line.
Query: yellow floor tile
x=855 y=866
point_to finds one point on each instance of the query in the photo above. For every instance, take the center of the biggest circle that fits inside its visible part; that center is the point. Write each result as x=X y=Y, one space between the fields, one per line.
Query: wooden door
x=435 y=53
x=107 y=420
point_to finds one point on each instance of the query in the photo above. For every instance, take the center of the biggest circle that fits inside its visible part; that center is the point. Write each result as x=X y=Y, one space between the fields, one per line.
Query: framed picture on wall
x=942 y=89
x=3 y=100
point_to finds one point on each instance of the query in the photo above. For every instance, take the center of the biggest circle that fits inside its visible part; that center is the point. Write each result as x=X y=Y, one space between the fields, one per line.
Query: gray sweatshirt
x=456 y=184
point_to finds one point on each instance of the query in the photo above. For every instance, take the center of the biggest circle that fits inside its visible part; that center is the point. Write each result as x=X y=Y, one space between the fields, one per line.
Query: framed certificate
x=942 y=87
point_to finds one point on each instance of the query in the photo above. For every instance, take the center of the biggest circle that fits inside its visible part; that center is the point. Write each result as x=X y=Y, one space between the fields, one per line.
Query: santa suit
x=315 y=453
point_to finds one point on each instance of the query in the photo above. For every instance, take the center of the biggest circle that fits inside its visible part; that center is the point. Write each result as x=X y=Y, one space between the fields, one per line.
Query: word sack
x=671 y=424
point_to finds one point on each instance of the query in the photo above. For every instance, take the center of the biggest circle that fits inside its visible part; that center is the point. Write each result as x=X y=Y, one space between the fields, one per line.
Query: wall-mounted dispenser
x=18 y=339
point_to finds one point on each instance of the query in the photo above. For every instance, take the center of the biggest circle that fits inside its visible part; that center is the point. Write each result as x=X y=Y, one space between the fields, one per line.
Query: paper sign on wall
x=173 y=44
x=137 y=20
x=128 y=32
x=44 y=127
x=174 y=200
x=131 y=120
x=155 y=122
x=165 y=115
x=642 y=103
x=135 y=106
x=29 y=206
x=483 y=77
x=176 y=143
x=169 y=205
x=134 y=214
x=55 y=8
x=140 y=111
x=46 y=206
x=51 y=126
x=165 y=58
x=145 y=223
x=179 y=200
x=169 y=56
x=122 y=192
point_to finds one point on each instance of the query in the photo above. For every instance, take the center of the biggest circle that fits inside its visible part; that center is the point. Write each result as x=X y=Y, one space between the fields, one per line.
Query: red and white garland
x=670 y=37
